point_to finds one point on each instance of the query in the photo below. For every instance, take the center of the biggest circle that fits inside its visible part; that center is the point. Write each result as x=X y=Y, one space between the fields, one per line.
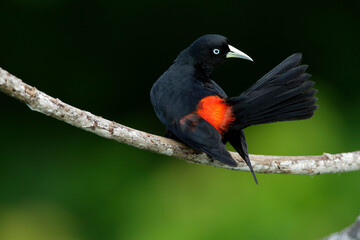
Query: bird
x=196 y=111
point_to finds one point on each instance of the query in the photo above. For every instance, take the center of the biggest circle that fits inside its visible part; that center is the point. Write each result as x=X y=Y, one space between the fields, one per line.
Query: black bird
x=196 y=111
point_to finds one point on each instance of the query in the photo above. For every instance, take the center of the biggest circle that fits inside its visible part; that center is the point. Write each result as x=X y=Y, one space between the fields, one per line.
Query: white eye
x=216 y=51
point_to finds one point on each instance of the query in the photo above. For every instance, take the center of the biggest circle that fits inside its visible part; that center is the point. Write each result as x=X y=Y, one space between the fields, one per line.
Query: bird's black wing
x=212 y=88
x=215 y=88
x=201 y=135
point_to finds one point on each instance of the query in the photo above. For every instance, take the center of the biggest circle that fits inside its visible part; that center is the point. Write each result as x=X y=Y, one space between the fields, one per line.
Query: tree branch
x=41 y=102
x=349 y=233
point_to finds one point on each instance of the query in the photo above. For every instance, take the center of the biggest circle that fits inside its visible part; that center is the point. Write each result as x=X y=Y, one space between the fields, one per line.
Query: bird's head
x=211 y=50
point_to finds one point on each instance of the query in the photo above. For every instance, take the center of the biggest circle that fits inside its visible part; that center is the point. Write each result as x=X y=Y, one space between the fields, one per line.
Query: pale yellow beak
x=236 y=53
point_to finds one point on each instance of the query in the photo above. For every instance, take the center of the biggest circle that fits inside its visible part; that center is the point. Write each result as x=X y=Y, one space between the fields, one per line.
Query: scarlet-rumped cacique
x=196 y=111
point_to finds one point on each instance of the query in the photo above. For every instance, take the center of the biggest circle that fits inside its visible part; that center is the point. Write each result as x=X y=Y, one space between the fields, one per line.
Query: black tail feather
x=283 y=94
x=238 y=141
x=247 y=160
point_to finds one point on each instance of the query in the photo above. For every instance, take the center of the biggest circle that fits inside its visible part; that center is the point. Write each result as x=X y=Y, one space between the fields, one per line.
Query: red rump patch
x=217 y=112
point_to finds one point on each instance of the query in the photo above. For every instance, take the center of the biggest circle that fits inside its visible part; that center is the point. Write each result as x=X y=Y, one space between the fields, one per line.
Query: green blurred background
x=58 y=182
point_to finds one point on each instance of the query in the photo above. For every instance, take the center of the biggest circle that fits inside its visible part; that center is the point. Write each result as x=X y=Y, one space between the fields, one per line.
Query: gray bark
x=349 y=233
x=54 y=107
